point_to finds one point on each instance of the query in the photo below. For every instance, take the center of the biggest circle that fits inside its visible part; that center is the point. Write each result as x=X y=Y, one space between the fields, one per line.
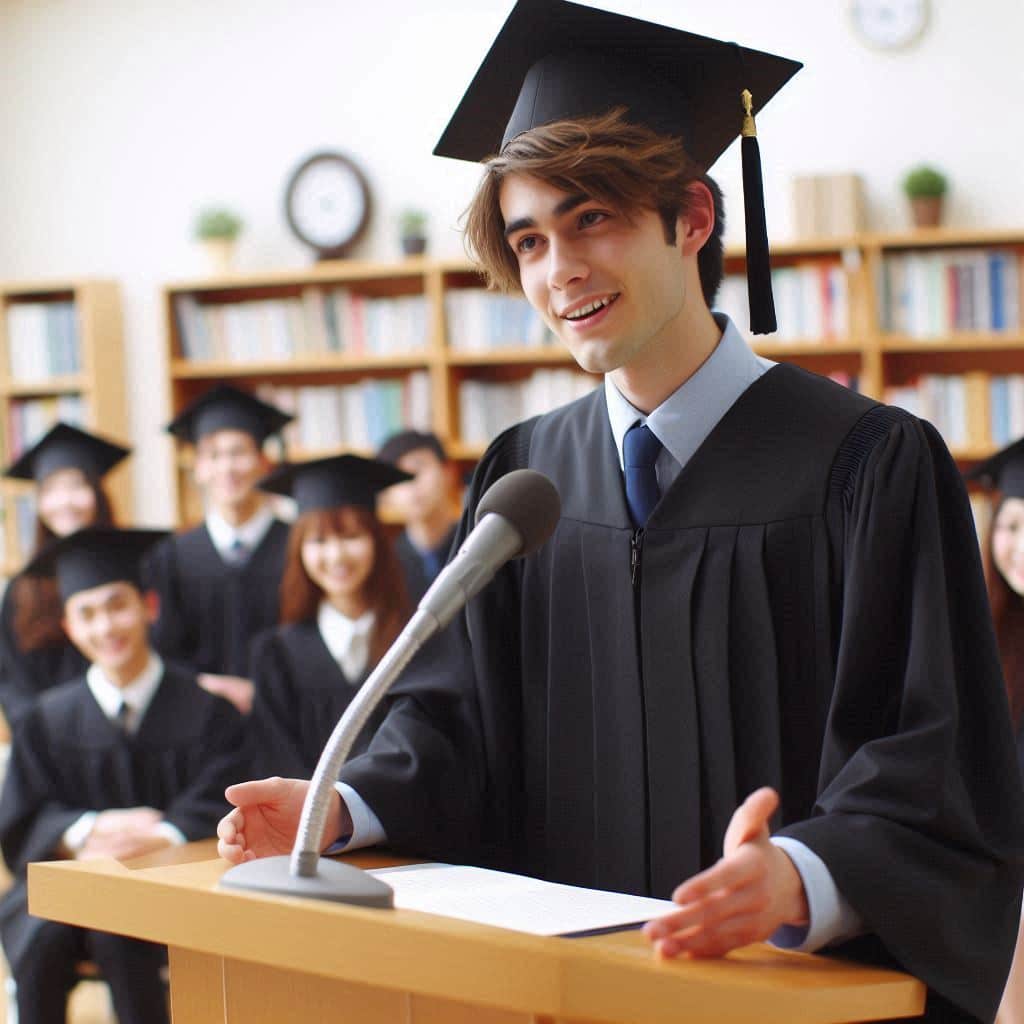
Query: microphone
x=515 y=517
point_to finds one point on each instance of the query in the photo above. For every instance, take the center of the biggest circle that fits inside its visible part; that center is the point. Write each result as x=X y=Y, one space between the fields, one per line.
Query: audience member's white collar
x=348 y=640
x=138 y=694
x=250 y=533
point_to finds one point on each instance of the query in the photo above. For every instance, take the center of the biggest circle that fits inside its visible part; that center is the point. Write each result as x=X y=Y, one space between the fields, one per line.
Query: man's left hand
x=744 y=898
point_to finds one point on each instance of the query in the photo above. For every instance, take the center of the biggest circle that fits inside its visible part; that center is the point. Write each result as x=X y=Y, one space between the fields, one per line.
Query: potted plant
x=217 y=228
x=925 y=187
x=412 y=227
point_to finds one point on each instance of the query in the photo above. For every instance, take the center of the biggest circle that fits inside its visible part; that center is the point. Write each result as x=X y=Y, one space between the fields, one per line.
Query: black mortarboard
x=227 y=408
x=1004 y=471
x=67 y=447
x=410 y=441
x=332 y=482
x=554 y=60
x=93 y=557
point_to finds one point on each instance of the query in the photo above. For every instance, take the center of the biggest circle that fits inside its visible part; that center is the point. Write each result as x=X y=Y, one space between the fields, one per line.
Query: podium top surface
x=174 y=899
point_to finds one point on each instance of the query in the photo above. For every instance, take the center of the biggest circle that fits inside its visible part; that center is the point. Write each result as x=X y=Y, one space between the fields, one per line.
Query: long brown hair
x=384 y=588
x=607 y=158
x=1008 y=616
x=38 y=609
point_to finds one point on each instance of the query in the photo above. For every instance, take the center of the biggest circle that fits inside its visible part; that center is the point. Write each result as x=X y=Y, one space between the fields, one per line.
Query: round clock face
x=889 y=24
x=327 y=203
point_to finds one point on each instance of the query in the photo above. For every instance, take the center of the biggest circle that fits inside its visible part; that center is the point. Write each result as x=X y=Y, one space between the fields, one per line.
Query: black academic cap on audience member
x=554 y=60
x=1003 y=472
x=94 y=557
x=67 y=447
x=332 y=482
x=228 y=408
x=410 y=441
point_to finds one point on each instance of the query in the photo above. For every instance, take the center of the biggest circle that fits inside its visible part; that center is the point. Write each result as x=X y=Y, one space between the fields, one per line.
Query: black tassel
x=759 y=269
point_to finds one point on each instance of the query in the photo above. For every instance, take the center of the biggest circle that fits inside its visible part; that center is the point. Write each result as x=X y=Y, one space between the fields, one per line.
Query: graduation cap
x=93 y=557
x=332 y=482
x=67 y=447
x=400 y=444
x=1003 y=472
x=228 y=408
x=554 y=60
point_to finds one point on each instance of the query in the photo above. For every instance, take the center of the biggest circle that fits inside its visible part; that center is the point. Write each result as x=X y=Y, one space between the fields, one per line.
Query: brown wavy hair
x=38 y=609
x=384 y=588
x=625 y=165
x=1008 y=616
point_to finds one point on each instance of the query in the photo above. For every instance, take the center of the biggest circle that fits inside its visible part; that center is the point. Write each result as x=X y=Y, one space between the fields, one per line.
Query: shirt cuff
x=172 y=833
x=831 y=918
x=75 y=835
x=366 y=827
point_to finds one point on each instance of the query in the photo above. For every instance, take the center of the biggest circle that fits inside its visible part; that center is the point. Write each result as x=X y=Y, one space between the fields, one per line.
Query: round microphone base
x=334 y=881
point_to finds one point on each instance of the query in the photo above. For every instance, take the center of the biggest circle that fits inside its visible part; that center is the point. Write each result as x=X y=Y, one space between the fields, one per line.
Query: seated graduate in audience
x=424 y=504
x=218 y=582
x=343 y=602
x=1004 y=577
x=67 y=465
x=126 y=759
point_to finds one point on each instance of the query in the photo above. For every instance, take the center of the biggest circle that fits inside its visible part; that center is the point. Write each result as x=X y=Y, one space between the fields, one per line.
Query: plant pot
x=926 y=211
x=414 y=245
x=219 y=254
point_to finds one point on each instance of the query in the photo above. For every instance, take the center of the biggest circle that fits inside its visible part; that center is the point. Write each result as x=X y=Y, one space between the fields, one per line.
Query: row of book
x=318 y=322
x=359 y=415
x=933 y=294
x=477 y=320
x=812 y=302
x=1006 y=408
x=29 y=419
x=42 y=339
x=488 y=407
x=942 y=399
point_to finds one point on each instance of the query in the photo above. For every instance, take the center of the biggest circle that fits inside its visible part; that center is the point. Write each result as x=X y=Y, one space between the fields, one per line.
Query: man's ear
x=696 y=224
x=151 y=601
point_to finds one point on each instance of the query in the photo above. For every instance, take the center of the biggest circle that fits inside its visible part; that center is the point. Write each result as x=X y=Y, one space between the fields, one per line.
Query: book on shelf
x=42 y=340
x=486 y=408
x=359 y=415
x=936 y=293
x=477 y=320
x=25 y=520
x=947 y=401
x=1006 y=408
x=812 y=302
x=320 y=321
x=28 y=419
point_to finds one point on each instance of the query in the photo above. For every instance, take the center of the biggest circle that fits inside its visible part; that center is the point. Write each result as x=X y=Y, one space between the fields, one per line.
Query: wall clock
x=327 y=203
x=889 y=24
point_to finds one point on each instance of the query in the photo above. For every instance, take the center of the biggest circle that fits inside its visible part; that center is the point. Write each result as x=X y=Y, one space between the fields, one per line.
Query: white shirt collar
x=683 y=421
x=348 y=640
x=138 y=694
x=250 y=533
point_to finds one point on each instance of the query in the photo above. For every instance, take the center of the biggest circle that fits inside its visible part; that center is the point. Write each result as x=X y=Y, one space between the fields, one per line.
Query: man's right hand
x=125 y=820
x=266 y=816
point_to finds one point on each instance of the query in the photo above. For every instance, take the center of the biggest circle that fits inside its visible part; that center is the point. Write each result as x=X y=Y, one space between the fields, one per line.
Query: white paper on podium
x=515 y=901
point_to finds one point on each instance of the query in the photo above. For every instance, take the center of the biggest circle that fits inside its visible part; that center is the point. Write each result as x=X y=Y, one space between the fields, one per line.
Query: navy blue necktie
x=640 y=449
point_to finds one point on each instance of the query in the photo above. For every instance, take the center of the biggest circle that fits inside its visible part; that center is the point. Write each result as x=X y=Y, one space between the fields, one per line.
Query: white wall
x=118 y=119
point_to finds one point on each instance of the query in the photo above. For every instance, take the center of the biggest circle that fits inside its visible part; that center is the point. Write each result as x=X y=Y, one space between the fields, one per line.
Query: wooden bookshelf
x=862 y=349
x=29 y=392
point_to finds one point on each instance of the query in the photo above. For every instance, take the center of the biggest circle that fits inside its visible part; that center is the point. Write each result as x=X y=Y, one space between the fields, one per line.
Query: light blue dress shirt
x=681 y=423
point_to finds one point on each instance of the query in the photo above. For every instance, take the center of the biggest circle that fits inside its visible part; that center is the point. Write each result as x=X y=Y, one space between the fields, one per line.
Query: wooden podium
x=248 y=959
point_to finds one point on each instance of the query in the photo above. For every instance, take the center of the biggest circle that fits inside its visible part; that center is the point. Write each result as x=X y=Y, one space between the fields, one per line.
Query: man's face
x=428 y=492
x=109 y=624
x=610 y=287
x=228 y=465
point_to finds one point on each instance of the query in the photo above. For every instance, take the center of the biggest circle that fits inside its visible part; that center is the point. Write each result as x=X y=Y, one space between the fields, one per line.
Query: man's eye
x=591 y=217
x=527 y=243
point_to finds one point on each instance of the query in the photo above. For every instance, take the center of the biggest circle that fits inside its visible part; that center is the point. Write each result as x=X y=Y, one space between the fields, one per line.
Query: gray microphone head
x=529 y=501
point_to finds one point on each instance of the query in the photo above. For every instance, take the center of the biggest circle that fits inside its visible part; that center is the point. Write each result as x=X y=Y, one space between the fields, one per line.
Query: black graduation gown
x=300 y=693
x=812 y=617
x=24 y=675
x=67 y=758
x=210 y=611
x=416 y=579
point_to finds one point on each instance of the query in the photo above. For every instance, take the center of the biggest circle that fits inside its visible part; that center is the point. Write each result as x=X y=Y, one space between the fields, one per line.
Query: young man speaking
x=762 y=610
